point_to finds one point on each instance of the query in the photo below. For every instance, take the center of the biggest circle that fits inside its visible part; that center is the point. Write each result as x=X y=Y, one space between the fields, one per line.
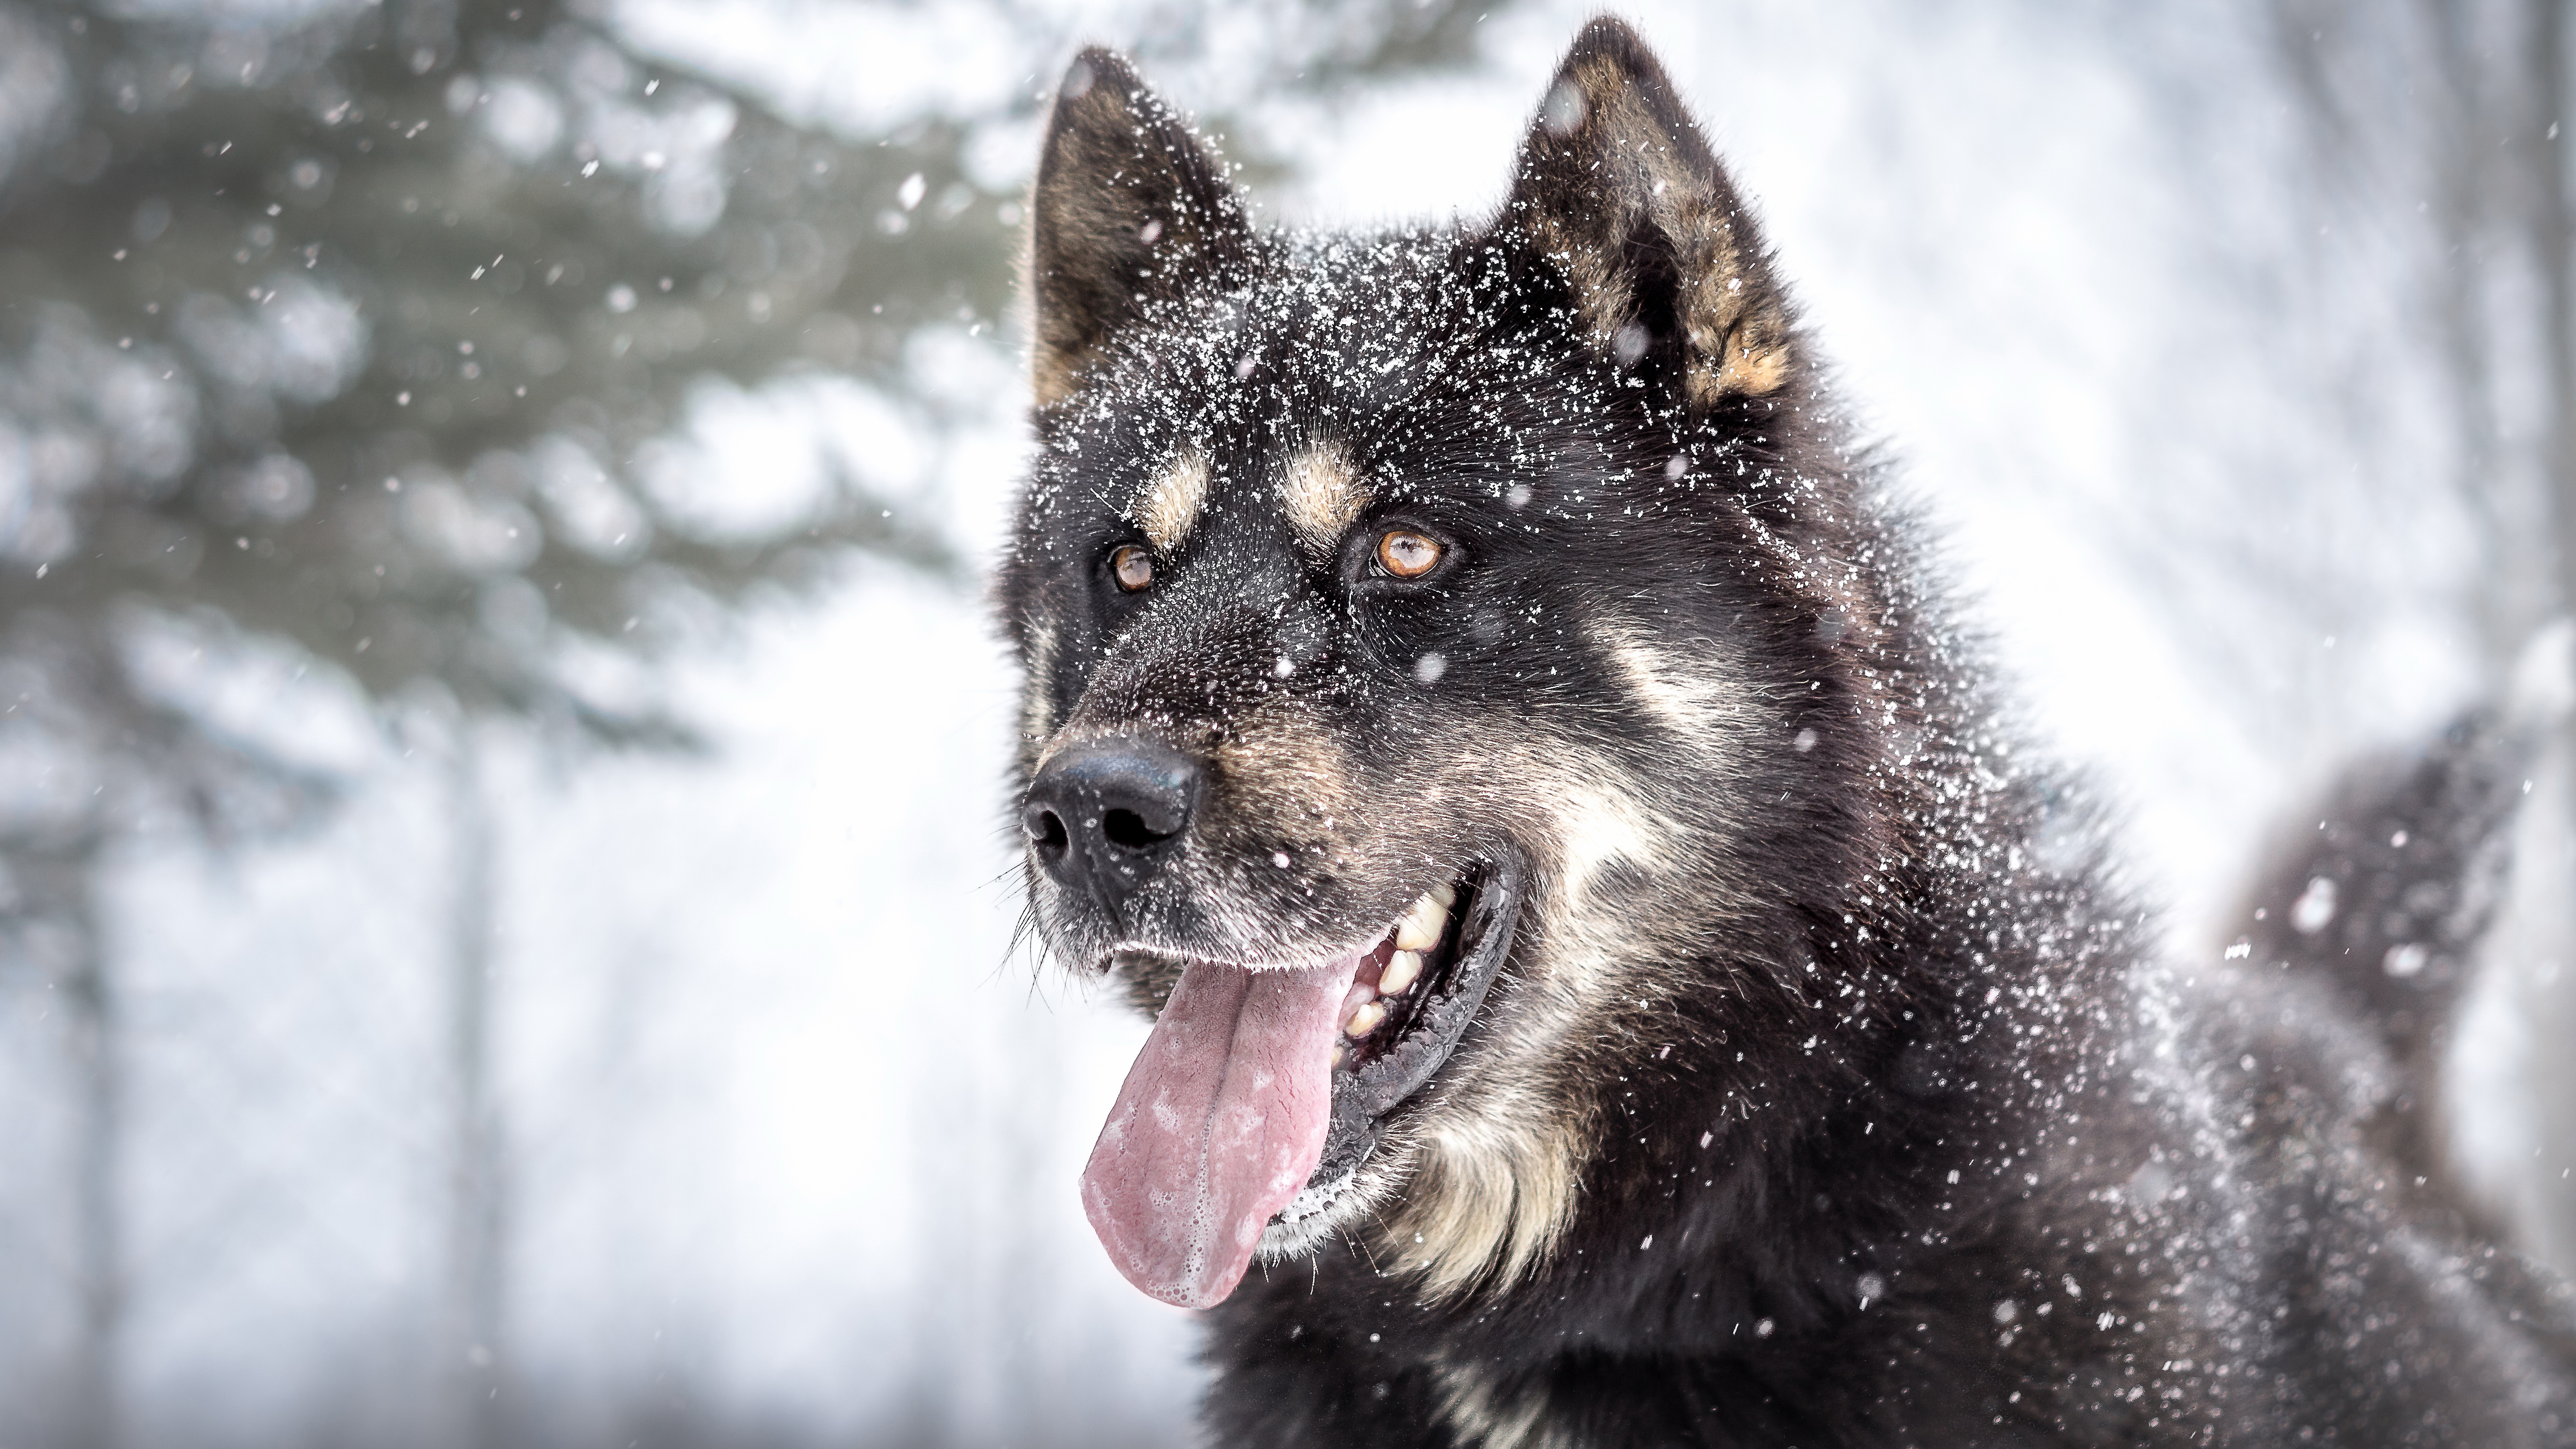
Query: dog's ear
x=1617 y=190
x=1129 y=209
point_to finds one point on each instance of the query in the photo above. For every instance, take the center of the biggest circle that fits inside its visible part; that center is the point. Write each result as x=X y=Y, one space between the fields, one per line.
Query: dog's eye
x=1132 y=567
x=1406 y=554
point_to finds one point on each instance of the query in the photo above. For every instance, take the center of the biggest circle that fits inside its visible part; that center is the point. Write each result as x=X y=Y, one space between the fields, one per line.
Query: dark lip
x=1366 y=1095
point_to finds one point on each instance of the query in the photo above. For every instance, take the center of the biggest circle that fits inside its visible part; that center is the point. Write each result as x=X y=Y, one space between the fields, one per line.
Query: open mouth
x=1410 y=1003
x=1261 y=1091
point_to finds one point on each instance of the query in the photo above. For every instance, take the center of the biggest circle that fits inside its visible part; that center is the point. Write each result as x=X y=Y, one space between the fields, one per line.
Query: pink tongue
x=1220 y=1123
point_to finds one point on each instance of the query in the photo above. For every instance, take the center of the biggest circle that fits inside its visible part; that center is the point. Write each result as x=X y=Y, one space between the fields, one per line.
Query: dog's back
x=2372 y=1301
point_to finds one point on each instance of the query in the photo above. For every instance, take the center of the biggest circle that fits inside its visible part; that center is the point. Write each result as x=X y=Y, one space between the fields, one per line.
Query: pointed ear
x=1617 y=189
x=1129 y=209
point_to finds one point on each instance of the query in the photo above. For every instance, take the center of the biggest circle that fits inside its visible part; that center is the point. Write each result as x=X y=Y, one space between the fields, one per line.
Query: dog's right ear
x=1130 y=209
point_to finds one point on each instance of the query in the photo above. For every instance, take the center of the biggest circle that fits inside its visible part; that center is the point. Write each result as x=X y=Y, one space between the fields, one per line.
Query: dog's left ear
x=1619 y=192
x=1129 y=209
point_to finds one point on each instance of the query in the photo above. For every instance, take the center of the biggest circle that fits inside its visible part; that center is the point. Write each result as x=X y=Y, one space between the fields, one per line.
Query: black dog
x=1614 y=969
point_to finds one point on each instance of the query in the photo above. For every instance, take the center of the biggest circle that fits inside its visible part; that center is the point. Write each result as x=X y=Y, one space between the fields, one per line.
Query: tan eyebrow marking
x=1170 y=508
x=1321 y=495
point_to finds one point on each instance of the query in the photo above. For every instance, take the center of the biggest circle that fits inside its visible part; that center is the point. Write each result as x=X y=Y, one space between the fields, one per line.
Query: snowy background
x=787 y=1134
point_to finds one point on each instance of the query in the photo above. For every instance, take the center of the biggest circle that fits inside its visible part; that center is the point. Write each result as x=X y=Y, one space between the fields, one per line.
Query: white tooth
x=1401 y=968
x=1421 y=927
x=1365 y=1020
x=1446 y=893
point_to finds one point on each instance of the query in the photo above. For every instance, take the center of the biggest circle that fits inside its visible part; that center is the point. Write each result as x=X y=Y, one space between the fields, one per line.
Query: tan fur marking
x=1321 y=495
x=1689 y=701
x=1170 y=508
x=1052 y=373
x=1498 y=1164
x=1303 y=763
x=1308 y=797
x=1600 y=826
x=1037 y=708
x=1489 y=1198
x=1478 y=1414
x=1736 y=329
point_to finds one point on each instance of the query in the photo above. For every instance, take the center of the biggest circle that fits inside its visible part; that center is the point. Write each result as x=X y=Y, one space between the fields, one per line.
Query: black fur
x=1884 y=1130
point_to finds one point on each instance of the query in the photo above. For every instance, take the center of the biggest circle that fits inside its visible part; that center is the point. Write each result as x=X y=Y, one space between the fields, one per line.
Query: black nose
x=1103 y=817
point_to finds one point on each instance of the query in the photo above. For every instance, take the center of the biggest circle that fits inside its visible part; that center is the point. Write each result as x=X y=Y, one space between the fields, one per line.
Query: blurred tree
x=349 y=334
x=361 y=334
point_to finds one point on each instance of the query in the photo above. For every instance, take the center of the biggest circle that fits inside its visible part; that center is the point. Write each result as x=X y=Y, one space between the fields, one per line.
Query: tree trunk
x=2458 y=152
x=471 y=1340
x=88 y=990
x=2551 y=986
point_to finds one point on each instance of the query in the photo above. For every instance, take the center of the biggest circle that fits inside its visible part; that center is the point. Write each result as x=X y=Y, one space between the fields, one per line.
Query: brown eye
x=1406 y=554
x=1133 y=567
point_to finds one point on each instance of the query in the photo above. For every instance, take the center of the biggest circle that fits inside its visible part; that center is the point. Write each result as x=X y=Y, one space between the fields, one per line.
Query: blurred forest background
x=503 y=913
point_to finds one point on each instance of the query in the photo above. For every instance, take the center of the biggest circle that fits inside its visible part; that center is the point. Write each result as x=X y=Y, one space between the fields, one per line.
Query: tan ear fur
x=1128 y=207
x=1617 y=187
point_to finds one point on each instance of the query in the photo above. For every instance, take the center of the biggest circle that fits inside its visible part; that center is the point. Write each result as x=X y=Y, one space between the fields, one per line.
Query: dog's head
x=1421 y=633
